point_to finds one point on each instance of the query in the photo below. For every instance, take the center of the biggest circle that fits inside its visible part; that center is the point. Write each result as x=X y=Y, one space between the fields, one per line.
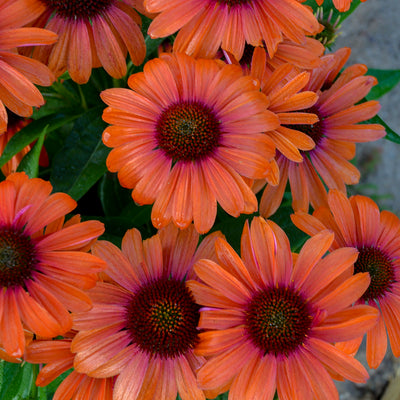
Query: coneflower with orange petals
x=20 y=74
x=44 y=264
x=143 y=325
x=357 y=222
x=269 y=320
x=91 y=34
x=206 y=25
x=184 y=137
x=335 y=134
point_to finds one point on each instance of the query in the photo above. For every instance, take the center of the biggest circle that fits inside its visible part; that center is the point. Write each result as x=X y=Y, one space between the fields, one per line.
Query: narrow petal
x=348 y=324
x=218 y=278
x=311 y=252
x=220 y=369
x=346 y=366
x=186 y=381
x=11 y=331
x=376 y=342
x=118 y=267
x=345 y=294
x=129 y=381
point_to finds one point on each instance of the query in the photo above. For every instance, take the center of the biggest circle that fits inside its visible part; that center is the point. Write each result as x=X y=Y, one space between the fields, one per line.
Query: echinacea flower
x=59 y=358
x=91 y=34
x=269 y=320
x=357 y=222
x=206 y=25
x=20 y=74
x=44 y=266
x=335 y=134
x=185 y=135
x=143 y=324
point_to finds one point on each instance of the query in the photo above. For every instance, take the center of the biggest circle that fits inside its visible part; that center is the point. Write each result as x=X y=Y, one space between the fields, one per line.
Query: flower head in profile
x=284 y=88
x=44 y=264
x=184 y=137
x=339 y=111
x=20 y=74
x=57 y=356
x=92 y=33
x=340 y=5
x=357 y=222
x=143 y=324
x=270 y=320
x=206 y=25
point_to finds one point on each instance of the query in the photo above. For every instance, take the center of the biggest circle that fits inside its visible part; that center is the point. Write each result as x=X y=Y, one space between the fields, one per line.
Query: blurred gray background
x=373 y=33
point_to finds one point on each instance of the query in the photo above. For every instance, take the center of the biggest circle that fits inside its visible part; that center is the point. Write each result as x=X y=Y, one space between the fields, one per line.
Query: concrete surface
x=373 y=33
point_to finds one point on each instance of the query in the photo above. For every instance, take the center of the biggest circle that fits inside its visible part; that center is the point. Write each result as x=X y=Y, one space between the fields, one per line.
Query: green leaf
x=387 y=80
x=31 y=132
x=30 y=163
x=390 y=133
x=82 y=160
x=113 y=197
x=18 y=382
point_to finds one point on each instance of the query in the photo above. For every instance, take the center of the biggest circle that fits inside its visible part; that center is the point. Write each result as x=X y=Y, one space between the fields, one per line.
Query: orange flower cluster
x=244 y=102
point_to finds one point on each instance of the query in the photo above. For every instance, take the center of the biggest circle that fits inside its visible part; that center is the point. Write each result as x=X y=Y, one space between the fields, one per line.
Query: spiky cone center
x=78 y=9
x=278 y=320
x=162 y=318
x=188 y=131
x=17 y=257
x=314 y=131
x=380 y=269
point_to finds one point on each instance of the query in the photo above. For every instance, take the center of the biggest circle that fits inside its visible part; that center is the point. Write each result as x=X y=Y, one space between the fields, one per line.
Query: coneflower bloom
x=44 y=266
x=186 y=135
x=357 y=222
x=340 y=5
x=206 y=25
x=334 y=135
x=19 y=74
x=59 y=358
x=92 y=33
x=143 y=325
x=269 y=321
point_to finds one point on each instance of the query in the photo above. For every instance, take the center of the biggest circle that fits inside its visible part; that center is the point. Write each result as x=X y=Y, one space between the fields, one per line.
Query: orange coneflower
x=143 y=325
x=206 y=25
x=186 y=135
x=92 y=33
x=18 y=73
x=59 y=358
x=334 y=135
x=357 y=222
x=270 y=322
x=43 y=262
